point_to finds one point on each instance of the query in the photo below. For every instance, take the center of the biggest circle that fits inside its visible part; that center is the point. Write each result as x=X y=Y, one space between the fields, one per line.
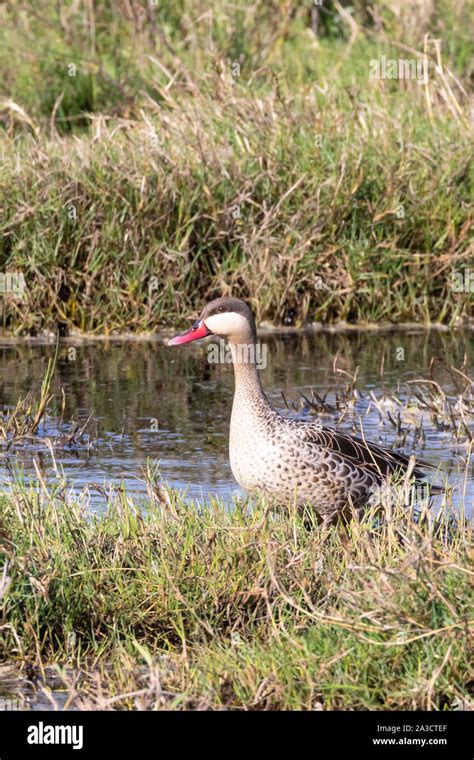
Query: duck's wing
x=359 y=452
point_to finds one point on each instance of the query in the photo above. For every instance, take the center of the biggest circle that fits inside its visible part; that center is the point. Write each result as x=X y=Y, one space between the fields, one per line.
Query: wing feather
x=360 y=452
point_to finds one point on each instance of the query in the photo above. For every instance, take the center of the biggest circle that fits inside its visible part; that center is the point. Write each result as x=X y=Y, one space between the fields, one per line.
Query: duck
x=287 y=460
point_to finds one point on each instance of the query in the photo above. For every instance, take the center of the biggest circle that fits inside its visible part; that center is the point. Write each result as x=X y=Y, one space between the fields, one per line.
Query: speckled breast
x=267 y=457
x=262 y=462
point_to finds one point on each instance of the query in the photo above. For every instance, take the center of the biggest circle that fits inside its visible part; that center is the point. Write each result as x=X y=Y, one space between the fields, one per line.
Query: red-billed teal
x=289 y=459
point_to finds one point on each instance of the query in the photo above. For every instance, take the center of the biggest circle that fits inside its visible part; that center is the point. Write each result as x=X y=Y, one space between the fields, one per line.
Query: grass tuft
x=179 y=606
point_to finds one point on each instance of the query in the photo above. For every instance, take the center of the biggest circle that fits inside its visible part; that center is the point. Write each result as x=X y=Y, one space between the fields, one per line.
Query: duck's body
x=287 y=460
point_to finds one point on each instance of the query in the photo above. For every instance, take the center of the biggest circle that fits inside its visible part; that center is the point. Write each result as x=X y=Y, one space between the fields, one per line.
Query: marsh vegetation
x=154 y=156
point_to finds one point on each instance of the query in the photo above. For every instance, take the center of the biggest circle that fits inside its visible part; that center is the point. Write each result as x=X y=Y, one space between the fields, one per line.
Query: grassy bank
x=242 y=609
x=155 y=157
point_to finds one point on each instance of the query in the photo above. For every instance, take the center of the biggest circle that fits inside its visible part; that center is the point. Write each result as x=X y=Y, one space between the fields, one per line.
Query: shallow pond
x=149 y=401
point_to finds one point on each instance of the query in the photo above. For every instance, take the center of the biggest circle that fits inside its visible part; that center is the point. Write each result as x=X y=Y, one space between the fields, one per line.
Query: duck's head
x=228 y=318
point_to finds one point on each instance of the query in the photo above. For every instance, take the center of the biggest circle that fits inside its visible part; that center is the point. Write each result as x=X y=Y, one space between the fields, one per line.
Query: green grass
x=120 y=185
x=244 y=609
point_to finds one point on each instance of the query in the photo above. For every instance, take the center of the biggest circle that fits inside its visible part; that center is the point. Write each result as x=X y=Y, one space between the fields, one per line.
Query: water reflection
x=171 y=404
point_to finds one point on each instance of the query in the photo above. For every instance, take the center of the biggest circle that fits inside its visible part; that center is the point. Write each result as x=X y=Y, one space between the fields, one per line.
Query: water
x=149 y=401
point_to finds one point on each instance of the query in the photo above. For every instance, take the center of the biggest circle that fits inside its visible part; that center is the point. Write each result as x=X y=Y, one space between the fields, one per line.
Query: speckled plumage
x=298 y=461
x=287 y=460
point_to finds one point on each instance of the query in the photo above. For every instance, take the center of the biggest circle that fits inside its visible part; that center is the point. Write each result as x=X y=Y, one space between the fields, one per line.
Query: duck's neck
x=249 y=394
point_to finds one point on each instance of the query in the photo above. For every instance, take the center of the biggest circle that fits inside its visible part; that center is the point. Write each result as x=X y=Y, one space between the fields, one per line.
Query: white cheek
x=227 y=323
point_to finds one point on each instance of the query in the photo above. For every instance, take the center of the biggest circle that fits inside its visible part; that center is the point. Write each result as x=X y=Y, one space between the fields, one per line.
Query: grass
x=23 y=421
x=182 y=607
x=159 y=175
